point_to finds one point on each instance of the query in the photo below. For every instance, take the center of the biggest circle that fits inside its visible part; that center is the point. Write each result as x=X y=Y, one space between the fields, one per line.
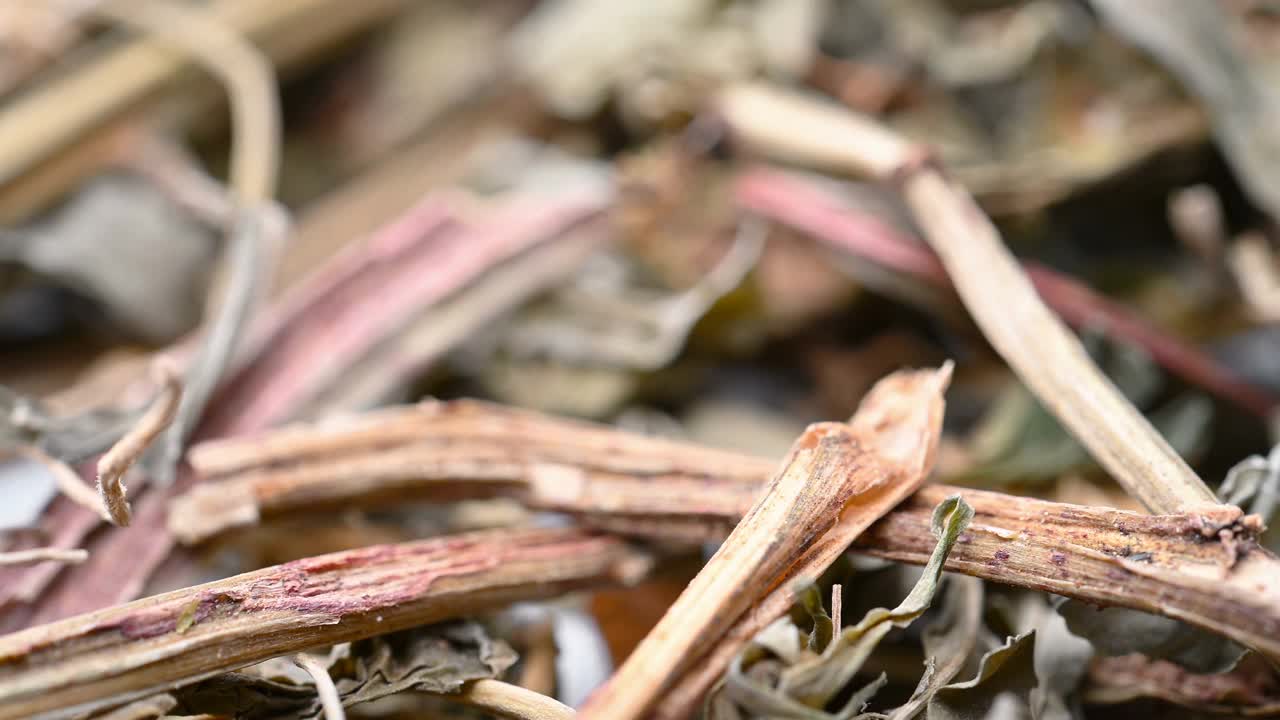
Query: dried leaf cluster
x=831 y=359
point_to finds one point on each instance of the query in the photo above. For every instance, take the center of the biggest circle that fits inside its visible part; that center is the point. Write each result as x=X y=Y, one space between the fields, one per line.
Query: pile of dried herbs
x=525 y=359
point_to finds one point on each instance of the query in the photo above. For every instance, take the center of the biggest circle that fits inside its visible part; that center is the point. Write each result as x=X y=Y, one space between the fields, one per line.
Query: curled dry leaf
x=1120 y=631
x=440 y=658
x=808 y=681
x=1008 y=669
x=948 y=642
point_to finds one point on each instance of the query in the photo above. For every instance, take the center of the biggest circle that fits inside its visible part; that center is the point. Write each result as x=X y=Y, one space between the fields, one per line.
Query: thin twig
x=47 y=554
x=1039 y=348
x=172 y=169
x=510 y=701
x=837 y=480
x=133 y=650
x=1254 y=267
x=251 y=237
x=330 y=702
x=249 y=79
x=246 y=73
x=117 y=461
x=68 y=480
x=837 y=605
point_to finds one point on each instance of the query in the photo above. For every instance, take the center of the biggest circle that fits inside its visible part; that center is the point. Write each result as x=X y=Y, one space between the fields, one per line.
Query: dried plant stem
x=837 y=606
x=132 y=650
x=47 y=554
x=473 y=448
x=335 y=313
x=82 y=121
x=509 y=701
x=246 y=73
x=113 y=465
x=1048 y=358
x=836 y=475
x=799 y=504
x=330 y=702
x=818 y=211
x=68 y=480
x=249 y=79
x=665 y=490
x=251 y=237
x=78 y=102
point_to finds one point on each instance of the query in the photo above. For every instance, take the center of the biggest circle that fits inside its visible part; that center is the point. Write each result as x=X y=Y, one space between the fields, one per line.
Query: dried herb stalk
x=662 y=489
x=131 y=650
x=335 y=312
x=1036 y=344
x=513 y=702
x=79 y=109
x=836 y=475
x=1159 y=564
x=790 y=199
x=471 y=449
x=44 y=554
x=905 y=434
x=117 y=461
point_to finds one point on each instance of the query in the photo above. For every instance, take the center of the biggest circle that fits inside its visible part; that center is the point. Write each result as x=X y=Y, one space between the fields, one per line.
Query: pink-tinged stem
x=798 y=203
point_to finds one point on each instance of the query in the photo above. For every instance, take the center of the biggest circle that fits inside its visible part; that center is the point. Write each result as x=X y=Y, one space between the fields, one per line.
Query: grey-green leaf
x=819 y=679
x=1121 y=631
x=1007 y=670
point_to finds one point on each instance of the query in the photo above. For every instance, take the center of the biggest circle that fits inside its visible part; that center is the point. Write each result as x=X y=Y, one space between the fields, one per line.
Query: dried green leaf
x=1197 y=44
x=435 y=658
x=1020 y=441
x=1061 y=661
x=820 y=679
x=774 y=677
x=948 y=642
x=1009 y=669
x=1254 y=480
x=140 y=259
x=1121 y=631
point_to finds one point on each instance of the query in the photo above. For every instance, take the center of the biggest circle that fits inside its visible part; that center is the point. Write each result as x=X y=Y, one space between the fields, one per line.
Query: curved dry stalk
x=26 y=557
x=510 y=701
x=255 y=148
x=1003 y=302
x=245 y=72
x=330 y=702
x=117 y=461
